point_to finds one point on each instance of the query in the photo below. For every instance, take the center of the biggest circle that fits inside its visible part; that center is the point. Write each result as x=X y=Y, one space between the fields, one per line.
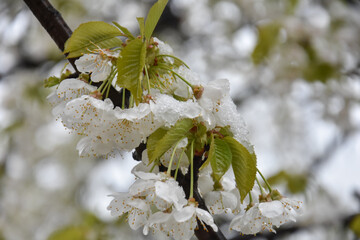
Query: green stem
x=131 y=103
x=261 y=188
x=178 y=164
x=108 y=86
x=172 y=158
x=148 y=79
x=123 y=99
x=102 y=86
x=192 y=170
x=250 y=198
x=184 y=80
x=171 y=56
x=266 y=182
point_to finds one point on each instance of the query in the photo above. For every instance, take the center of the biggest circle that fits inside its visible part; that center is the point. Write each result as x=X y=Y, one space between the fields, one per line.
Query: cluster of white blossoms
x=192 y=132
x=156 y=202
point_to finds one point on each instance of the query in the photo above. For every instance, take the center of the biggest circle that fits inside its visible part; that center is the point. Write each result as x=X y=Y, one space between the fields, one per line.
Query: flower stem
x=261 y=188
x=178 y=164
x=192 y=170
x=123 y=99
x=266 y=182
x=148 y=79
x=183 y=79
x=171 y=56
x=172 y=158
x=250 y=197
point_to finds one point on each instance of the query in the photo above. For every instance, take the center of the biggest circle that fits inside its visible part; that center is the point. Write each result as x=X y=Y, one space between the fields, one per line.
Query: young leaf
x=244 y=166
x=153 y=17
x=220 y=157
x=92 y=35
x=125 y=31
x=179 y=131
x=153 y=140
x=51 y=81
x=141 y=26
x=130 y=68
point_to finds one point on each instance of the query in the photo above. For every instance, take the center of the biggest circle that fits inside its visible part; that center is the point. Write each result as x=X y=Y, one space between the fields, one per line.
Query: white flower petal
x=184 y=214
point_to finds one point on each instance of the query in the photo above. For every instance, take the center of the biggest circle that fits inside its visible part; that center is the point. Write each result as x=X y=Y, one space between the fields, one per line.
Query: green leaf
x=220 y=157
x=244 y=166
x=51 y=81
x=225 y=131
x=141 y=26
x=125 y=31
x=130 y=68
x=159 y=145
x=153 y=140
x=267 y=38
x=355 y=225
x=153 y=17
x=92 y=35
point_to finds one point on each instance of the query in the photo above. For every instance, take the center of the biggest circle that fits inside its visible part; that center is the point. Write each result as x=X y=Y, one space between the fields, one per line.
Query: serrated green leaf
x=244 y=166
x=153 y=17
x=125 y=31
x=92 y=35
x=267 y=38
x=141 y=26
x=220 y=157
x=179 y=131
x=130 y=68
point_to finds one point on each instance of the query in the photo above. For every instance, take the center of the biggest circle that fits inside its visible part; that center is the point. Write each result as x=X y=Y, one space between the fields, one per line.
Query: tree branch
x=52 y=22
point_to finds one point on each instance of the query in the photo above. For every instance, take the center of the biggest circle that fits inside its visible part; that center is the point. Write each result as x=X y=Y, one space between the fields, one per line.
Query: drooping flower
x=265 y=215
x=151 y=194
x=138 y=210
x=66 y=91
x=181 y=223
x=220 y=201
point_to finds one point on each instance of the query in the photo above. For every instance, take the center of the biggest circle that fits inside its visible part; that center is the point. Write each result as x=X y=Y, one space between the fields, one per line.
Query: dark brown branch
x=53 y=23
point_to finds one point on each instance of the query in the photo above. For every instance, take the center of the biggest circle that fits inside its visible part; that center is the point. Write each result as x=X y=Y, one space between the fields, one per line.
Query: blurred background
x=294 y=72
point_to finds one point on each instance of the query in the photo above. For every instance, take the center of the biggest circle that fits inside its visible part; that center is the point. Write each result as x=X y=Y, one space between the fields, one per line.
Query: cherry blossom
x=265 y=215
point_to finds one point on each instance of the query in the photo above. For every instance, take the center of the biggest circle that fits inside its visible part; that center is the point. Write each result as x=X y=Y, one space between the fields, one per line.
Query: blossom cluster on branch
x=184 y=122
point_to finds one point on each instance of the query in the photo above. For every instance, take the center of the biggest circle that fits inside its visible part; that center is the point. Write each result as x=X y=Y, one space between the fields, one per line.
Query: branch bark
x=52 y=22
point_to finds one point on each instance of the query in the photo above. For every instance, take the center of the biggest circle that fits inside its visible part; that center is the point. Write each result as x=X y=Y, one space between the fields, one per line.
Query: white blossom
x=106 y=129
x=220 y=110
x=137 y=209
x=265 y=215
x=66 y=91
x=168 y=110
x=98 y=64
x=180 y=224
x=220 y=201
